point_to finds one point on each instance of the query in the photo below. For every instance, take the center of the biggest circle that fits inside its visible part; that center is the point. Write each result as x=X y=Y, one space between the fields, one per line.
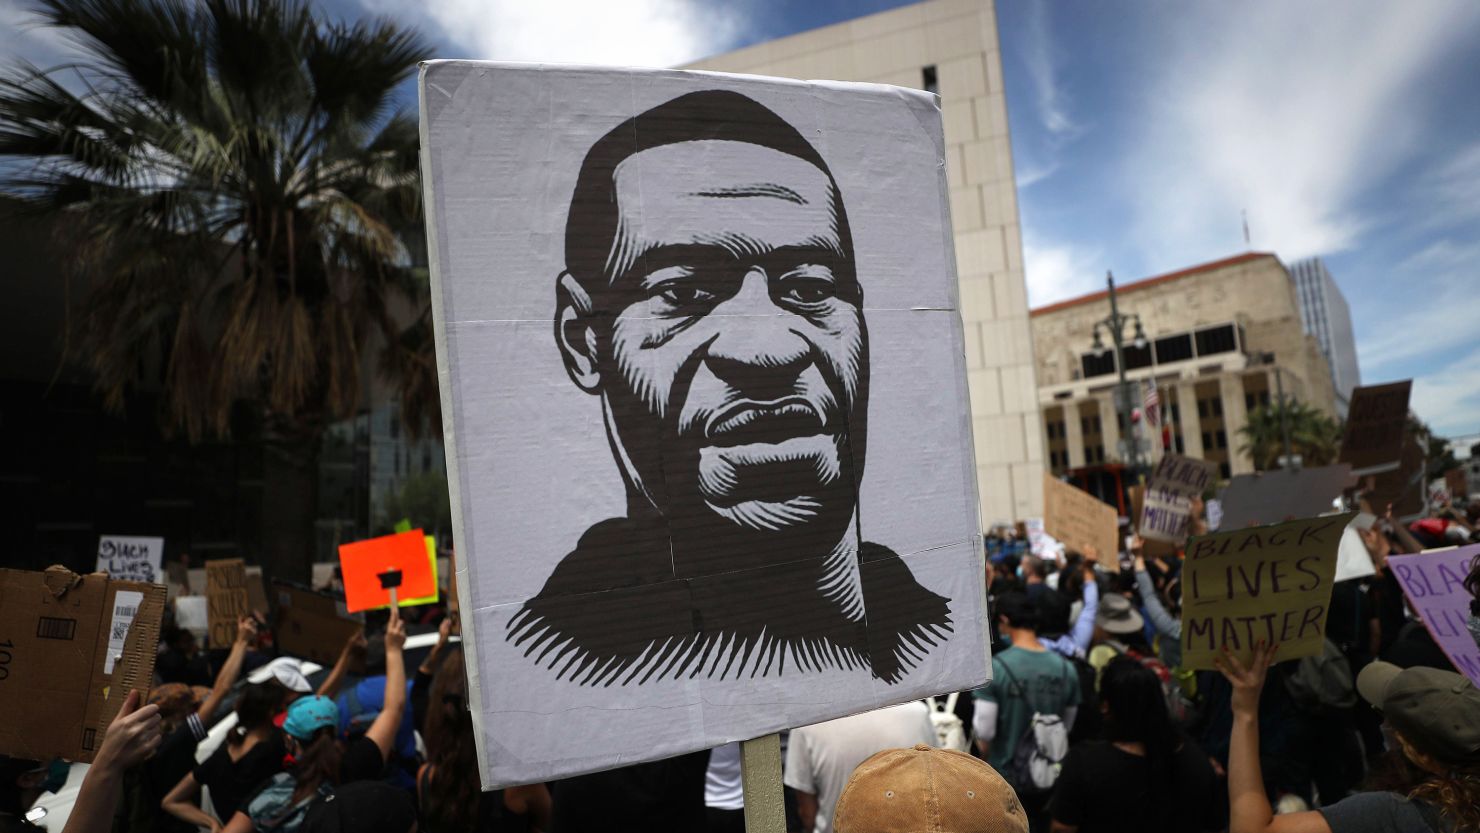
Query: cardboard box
x=312 y=626
x=1078 y=518
x=226 y=596
x=61 y=635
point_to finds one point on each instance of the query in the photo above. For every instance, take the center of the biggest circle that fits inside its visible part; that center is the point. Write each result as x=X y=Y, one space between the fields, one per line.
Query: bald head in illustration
x=711 y=305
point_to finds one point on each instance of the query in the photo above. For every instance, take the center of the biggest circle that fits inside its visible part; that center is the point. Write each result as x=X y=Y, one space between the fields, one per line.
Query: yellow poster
x=1265 y=583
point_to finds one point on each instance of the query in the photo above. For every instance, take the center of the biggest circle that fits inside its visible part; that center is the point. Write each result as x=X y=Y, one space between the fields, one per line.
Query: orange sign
x=363 y=562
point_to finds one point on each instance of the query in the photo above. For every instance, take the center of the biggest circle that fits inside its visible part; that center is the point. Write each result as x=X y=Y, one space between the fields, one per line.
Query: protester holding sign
x=1435 y=717
x=131 y=738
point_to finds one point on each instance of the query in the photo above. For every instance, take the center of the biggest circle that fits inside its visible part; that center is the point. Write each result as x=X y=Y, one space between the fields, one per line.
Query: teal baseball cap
x=308 y=715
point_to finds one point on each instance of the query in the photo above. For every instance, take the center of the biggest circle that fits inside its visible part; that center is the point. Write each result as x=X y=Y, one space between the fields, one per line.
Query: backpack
x=1039 y=755
x=949 y=731
x=1088 y=720
x=1179 y=705
x=1323 y=682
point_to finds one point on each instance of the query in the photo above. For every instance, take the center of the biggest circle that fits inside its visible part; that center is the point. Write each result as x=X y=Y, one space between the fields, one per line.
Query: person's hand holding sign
x=1248 y=681
x=131 y=738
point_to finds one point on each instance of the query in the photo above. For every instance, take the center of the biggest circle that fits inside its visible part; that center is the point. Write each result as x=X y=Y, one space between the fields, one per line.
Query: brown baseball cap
x=925 y=790
x=1437 y=711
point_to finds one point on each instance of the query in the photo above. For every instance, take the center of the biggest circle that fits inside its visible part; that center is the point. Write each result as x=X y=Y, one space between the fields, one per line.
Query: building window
x=1216 y=340
x=1097 y=364
x=1175 y=348
x=1224 y=471
x=1202 y=408
x=1178 y=444
x=1222 y=439
x=1136 y=358
x=1207 y=440
x=931 y=83
x=1176 y=413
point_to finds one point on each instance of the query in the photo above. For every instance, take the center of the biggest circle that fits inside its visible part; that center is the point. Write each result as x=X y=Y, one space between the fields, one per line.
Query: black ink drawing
x=710 y=301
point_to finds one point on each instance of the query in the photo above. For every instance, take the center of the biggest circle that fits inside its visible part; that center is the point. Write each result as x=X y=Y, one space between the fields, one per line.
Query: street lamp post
x=1279 y=384
x=1116 y=325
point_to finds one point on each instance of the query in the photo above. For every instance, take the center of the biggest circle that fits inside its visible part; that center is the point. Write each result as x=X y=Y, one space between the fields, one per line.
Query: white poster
x=705 y=407
x=125 y=608
x=131 y=558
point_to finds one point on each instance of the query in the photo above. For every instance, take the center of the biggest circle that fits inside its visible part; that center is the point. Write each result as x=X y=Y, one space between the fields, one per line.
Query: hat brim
x=1130 y=622
x=1374 y=680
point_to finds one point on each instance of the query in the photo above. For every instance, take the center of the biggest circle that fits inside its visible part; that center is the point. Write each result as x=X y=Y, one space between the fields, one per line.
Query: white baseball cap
x=286 y=670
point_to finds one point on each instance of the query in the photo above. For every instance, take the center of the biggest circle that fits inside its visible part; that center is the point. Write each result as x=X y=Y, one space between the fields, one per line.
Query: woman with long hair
x=1434 y=781
x=1144 y=776
x=448 y=784
x=321 y=760
x=253 y=752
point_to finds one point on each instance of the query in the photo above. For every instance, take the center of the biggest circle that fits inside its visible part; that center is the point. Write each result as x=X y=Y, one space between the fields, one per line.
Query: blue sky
x=1348 y=129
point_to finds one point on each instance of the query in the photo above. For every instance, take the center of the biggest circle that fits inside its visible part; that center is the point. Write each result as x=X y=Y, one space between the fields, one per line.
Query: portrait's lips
x=748 y=421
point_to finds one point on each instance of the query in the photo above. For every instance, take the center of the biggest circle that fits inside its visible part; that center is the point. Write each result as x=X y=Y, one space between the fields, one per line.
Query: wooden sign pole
x=760 y=779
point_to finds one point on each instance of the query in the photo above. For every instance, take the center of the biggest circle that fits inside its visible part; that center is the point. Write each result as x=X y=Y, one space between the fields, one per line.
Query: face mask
x=1020 y=571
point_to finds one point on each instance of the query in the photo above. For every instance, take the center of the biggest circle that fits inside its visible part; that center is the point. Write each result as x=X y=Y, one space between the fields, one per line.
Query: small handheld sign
x=363 y=563
x=390 y=580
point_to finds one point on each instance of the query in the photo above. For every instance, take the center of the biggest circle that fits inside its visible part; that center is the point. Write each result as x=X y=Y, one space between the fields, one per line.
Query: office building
x=1325 y=313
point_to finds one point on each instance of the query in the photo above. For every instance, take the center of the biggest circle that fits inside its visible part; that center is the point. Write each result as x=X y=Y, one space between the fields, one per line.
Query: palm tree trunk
x=290 y=475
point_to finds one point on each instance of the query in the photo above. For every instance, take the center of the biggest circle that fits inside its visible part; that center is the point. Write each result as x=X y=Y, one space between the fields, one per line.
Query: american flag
x=1150 y=403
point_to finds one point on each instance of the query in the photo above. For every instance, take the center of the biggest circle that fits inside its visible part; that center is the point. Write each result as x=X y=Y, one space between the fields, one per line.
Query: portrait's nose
x=757 y=351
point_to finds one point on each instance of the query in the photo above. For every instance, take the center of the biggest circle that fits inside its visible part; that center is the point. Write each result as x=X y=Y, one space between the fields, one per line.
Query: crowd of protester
x=1090 y=724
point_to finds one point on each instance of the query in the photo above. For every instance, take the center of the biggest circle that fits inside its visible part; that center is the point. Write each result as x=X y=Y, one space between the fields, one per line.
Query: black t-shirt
x=1104 y=789
x=173 y=761
x=362 y=761
x=233 y=782
x=661 y=795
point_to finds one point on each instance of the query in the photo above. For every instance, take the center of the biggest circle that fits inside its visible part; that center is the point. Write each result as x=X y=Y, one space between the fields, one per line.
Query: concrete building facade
x=1221 y=338
x=1327 y=317
x=950 y=47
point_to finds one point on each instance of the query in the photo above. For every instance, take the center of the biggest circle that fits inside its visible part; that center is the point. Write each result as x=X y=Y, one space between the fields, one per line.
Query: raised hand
x=1247 y=680
x=132 y=736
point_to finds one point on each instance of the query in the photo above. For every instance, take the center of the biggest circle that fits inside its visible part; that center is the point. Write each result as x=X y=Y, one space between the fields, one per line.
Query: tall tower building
x=950 y=47
x=1326 y=316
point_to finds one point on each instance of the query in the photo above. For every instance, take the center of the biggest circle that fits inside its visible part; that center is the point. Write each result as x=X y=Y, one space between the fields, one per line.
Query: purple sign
x=1434 y=583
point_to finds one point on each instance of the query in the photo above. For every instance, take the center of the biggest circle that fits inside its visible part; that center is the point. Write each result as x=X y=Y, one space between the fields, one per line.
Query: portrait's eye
x=685 y=295
x=806 y=286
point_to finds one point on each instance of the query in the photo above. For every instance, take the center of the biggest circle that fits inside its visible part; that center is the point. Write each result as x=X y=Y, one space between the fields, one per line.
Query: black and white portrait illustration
x=705 y=403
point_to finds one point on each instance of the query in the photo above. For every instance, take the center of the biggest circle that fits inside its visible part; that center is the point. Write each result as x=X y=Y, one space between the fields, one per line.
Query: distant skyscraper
x=1326 y=316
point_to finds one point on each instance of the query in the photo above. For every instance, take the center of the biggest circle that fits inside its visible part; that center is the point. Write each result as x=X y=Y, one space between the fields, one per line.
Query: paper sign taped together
x=1078 y=519
x=1434 y=583
x=724 y=483
x=1273 y=497
x=1268 y=583
x=363 y=562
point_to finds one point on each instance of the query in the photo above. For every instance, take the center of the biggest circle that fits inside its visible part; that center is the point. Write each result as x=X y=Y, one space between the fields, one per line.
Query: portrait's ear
x=573 y=333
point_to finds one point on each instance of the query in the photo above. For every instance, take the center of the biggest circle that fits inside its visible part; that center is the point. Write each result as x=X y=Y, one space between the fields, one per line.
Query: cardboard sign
x=1270 y=583
x=724 y=484
x=1166 y=514
x=1077 y=518
x=363 y=562
x=256 y=591
x=133 y=667
x=1403 y=487
x=1458 y=483
x=1434 y=582
x=226 y=595
x=312 y=626
x=131 y=558
x=436 y=578
x=1284 y=494
x=64 y=635
x=1376 y=424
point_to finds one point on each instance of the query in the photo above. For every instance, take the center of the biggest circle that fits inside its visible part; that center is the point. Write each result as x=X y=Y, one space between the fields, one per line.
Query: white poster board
x=131 y=558
x=675 y=312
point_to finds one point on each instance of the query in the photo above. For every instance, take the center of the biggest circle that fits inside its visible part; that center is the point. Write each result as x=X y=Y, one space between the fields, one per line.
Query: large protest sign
x=1403 y=488
x=1281 y=495
x=226 y=599
x=1166 y=514
x=675 y=314
x=1457 y=483
x=1079 y=519
x=312 y=626
x=1434 y=583
x=1268 y=583
x=131 y=558
x=1376 y=424
x=65 y=636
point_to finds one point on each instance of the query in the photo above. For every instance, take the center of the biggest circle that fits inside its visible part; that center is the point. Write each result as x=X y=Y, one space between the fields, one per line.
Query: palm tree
x=236 y=191
x=1315 y=436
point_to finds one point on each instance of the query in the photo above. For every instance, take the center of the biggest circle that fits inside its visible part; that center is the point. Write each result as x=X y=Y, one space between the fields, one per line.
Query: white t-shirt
x=821 y=757
x=722 y=780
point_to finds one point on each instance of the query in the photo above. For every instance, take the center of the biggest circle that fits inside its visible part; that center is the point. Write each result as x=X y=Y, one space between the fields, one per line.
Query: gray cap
x=1437 y=711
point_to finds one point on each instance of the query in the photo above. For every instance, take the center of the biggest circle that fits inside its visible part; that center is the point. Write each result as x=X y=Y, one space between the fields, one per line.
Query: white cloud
x=654 y=33
x=1293 y=111
x=1448 y=398
x=1056 y=272
x=1443 y=318
x=1041 y=60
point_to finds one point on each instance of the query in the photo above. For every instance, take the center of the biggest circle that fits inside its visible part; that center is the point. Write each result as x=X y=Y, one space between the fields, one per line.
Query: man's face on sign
x=736 y=353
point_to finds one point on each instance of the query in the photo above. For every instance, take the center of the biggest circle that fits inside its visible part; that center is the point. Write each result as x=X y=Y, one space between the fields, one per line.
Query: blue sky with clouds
x=1348 y=129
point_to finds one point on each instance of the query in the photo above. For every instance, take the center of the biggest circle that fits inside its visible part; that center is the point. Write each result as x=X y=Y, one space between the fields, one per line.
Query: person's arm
x=330 y=687
x=532 y=801
x=1060 y=827
x=807 y=810
x=429 y=665
x=1248 y=804
x=1084 y=627
x=1163 y=621
x=984 y=724
x=180 y=803
x=240 y=823
x=383 y=730
x=131 y=738
x=246 y=631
